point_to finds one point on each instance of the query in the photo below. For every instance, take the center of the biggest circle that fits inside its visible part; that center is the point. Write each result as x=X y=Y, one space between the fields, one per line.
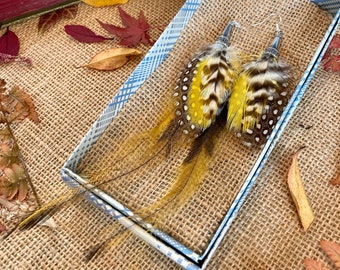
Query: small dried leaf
x=298 y=194
x=5 y=134
x=313 y=265
x=2 y=227
x=111 y=59
x=20 y=106
x=8 y=155
x=4 y=202
x=332 y=249
x=48 y=20
x=9 y=172
x=9 y=43
x=332 y=64
x=331 y=59
x=17 y=184
x=12 y=191
x=335 y=181
x=83 y=34
x=102 y=3
x=23 y=190
x=335 y=43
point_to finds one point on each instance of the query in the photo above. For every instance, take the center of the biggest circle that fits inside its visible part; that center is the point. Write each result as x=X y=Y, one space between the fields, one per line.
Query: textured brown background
x=266 y=233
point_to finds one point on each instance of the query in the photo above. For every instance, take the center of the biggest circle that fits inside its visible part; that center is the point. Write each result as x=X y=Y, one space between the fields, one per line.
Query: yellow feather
x=159 y=130
x=237 y=102
x=43 y=212
x=195 y=101
x=138 y=147
x=190 y=177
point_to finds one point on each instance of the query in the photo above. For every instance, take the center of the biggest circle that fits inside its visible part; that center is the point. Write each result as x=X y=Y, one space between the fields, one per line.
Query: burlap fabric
x=265 y=235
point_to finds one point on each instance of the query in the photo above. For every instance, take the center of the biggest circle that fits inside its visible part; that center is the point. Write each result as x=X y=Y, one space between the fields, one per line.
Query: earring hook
x=238 y=25
x=267 y=18
x=224 y=38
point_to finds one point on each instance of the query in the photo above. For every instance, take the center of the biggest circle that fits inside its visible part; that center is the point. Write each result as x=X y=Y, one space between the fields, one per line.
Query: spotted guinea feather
x=262 y=130
x=259 y=96
x=204 y=86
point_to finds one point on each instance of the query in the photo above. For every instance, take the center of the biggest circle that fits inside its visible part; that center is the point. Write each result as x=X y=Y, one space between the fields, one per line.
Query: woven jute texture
x=197 y=220
x=266 y=234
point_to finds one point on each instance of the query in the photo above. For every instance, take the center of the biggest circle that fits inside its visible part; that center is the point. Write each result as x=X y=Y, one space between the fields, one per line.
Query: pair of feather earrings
x=215 y=92
x=252 y=93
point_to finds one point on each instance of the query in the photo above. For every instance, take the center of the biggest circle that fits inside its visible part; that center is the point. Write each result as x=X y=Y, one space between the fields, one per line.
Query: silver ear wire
x=267 y=18
x=273 y=49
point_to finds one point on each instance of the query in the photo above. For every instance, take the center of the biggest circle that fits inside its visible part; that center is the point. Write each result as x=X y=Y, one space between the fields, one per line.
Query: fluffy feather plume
x=259 y=96
x=191 y=172
x=205 y=85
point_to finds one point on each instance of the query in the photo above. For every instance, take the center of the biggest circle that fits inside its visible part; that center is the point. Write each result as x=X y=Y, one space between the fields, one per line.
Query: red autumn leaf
x=135 y=30
x=331 y=59
x=332 y=64
x=313 y=265
x=9 y=43
x=332 y=249
x=335 y=43
x=48 y=20
x=83 y=34
x=326 y=55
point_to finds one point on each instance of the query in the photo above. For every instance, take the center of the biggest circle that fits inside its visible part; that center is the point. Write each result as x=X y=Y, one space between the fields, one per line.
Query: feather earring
x=259 y=95
x=201 y=97
x=206 y=83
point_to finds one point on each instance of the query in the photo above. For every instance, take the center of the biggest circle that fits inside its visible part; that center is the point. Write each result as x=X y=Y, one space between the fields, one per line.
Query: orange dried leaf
x=19 y=105
x=103 y=3
x=298 y=194
x=23 y=190
x=335 y=181
x=17 y=182
x=5 y=134
x=8 y=155
x=112 y=58
x=313 y=265
x=332 y=249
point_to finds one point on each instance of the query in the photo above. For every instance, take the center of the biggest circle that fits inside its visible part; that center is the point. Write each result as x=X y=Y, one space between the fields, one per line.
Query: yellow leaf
x=102 y=3
x=112 y=58
x=298 y=194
